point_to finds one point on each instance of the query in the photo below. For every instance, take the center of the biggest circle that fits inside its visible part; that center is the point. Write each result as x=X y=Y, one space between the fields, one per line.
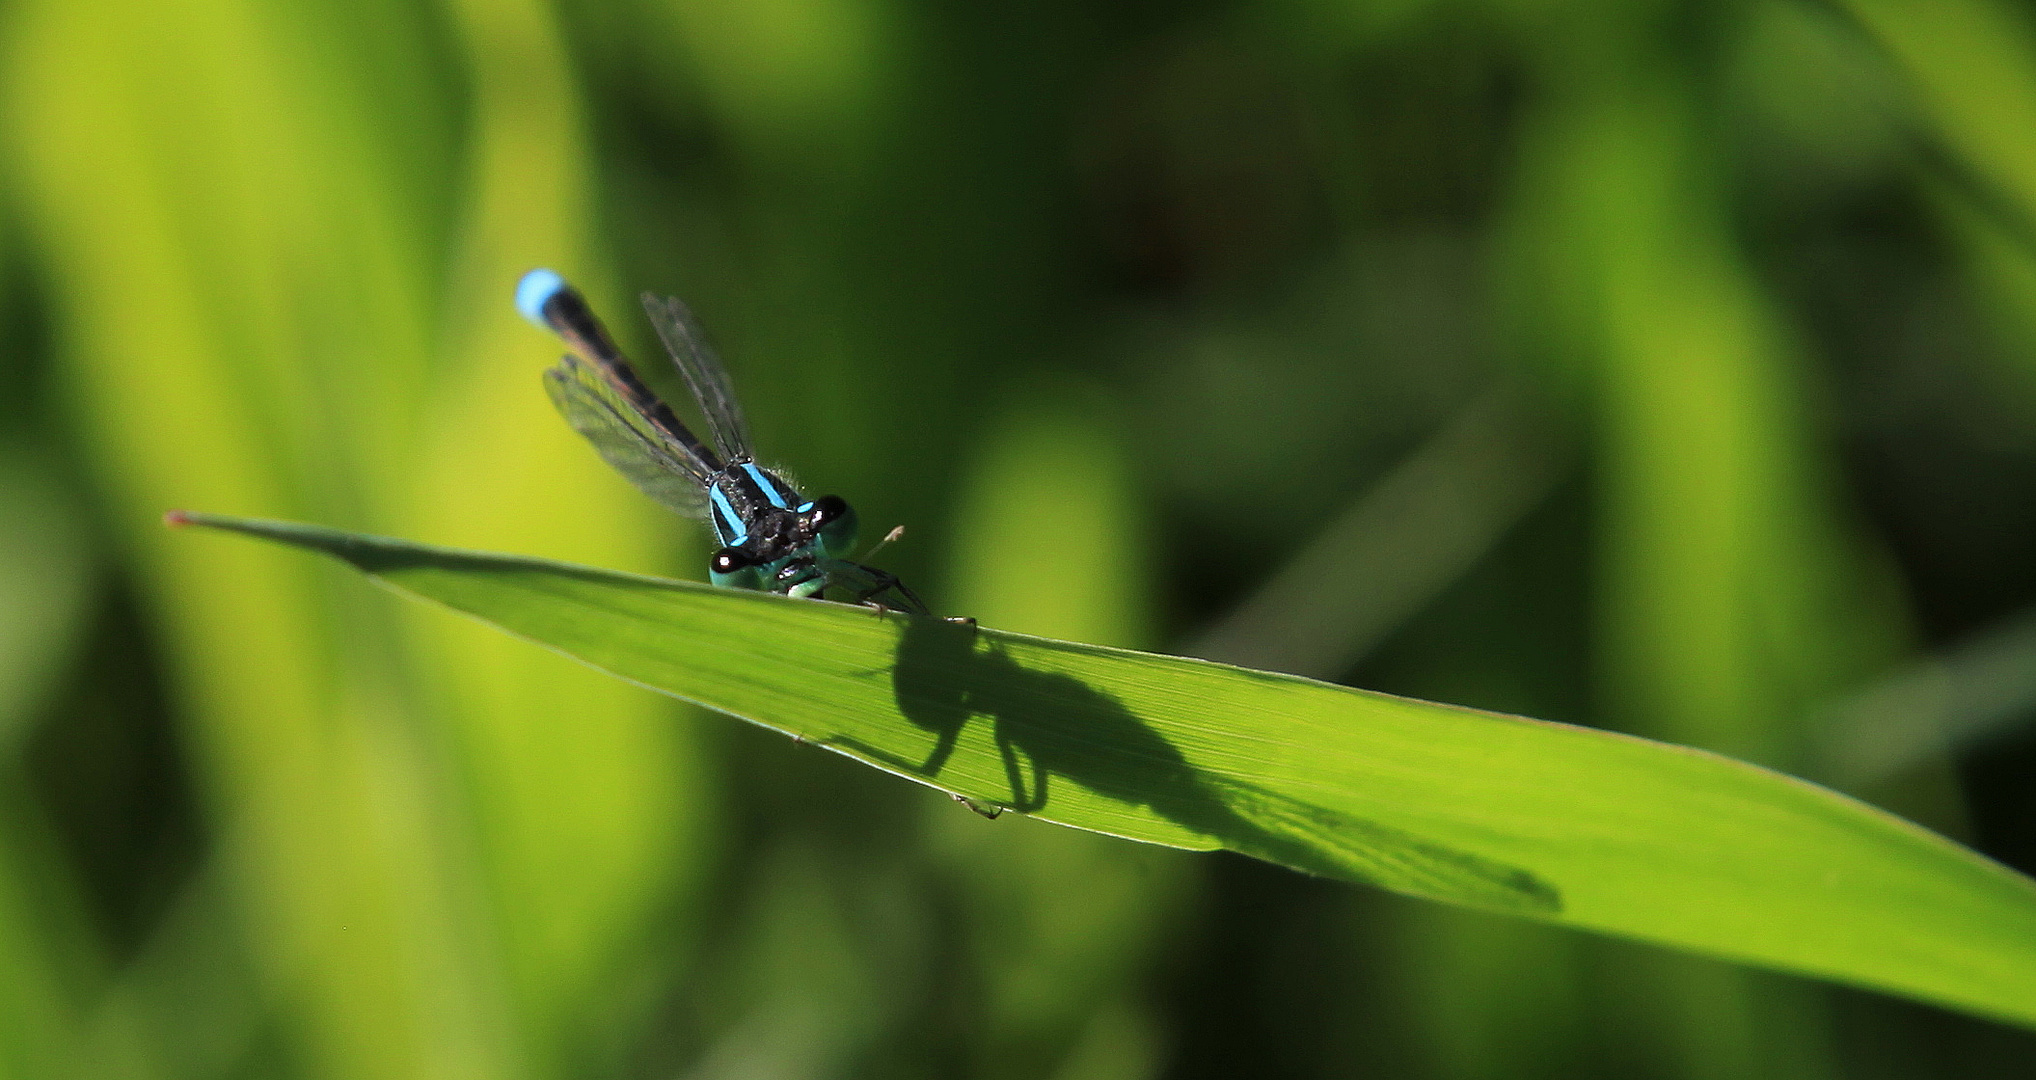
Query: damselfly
x=772 y=538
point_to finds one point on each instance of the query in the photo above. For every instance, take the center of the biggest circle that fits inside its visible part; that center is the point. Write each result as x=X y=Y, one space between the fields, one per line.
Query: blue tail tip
x=536 y=290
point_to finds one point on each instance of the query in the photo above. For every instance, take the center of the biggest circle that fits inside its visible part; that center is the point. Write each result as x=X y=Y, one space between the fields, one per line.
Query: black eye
x=728 y=560
x=826 y=508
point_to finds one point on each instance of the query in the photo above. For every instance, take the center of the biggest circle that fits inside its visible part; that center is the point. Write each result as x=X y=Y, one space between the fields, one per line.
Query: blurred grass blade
x=1404 y=542
x=45 y=947
x=46 y=587
x=1942 y=705
x=1594 y=830
x=1730 y=590
x=1051 y=473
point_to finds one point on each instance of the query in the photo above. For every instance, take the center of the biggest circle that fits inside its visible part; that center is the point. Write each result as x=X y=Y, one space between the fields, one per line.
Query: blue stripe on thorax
x=762 y=480
x=727 y=522
x=741 y=492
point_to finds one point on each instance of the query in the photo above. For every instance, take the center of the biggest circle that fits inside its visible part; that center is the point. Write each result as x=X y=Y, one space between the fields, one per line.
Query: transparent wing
x=663 y=468
x=704 y=375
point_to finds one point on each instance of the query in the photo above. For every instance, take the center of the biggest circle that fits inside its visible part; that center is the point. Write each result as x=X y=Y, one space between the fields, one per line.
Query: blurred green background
x=1667 y=367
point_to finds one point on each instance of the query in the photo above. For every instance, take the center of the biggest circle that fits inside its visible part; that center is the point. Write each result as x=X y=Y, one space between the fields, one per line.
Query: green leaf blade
x=1600 y=831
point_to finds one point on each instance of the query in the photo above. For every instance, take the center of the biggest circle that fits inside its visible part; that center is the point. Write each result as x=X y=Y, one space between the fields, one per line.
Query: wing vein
x=634 y=445
x=704 y=375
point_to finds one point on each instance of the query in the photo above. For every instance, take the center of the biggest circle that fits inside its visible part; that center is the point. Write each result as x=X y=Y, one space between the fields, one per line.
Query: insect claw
x=988 y=810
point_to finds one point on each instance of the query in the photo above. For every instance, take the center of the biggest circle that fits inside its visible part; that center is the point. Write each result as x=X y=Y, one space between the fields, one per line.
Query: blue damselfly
x=772 y=538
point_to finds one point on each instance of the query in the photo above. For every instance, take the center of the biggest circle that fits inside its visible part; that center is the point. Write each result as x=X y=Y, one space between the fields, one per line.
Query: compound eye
x=834 y=522
x=730 y=560
x=827 y=508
